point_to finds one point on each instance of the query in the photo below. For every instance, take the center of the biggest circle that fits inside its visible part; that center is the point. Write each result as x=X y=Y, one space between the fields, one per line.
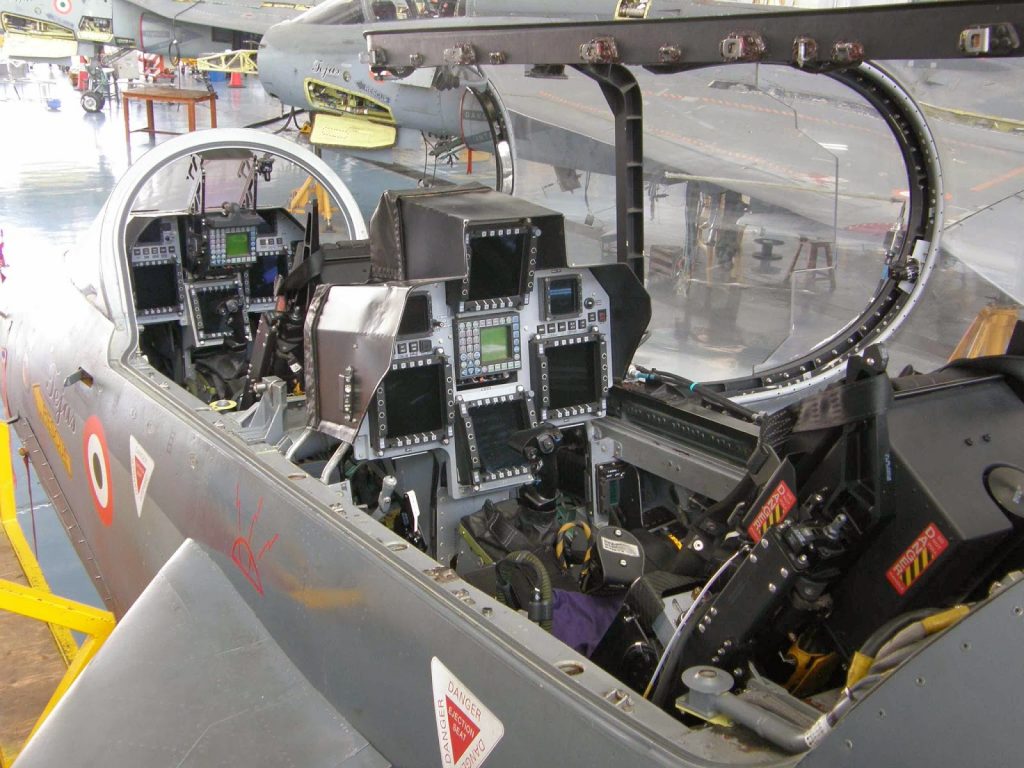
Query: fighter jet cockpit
x=473 y=354
x=210 y=238
x=497 y=389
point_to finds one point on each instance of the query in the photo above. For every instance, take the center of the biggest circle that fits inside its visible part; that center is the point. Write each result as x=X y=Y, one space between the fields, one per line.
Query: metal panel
x=191 y=677
x=350 y=333
x=700 y=473
x=893 y=32
x=945 y=705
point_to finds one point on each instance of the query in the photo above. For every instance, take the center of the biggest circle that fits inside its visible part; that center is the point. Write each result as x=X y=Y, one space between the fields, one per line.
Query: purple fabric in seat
x=580 y=621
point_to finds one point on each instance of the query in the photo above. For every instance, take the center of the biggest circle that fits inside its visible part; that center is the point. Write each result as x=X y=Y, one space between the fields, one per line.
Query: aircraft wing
x=243 y=15
x=190 y=677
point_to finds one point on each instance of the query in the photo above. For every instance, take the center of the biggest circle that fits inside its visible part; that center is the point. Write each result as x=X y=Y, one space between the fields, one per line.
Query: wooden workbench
x=151 y=95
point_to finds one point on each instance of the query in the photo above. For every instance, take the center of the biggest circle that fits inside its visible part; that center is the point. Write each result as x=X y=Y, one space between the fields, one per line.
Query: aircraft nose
x=273 y=66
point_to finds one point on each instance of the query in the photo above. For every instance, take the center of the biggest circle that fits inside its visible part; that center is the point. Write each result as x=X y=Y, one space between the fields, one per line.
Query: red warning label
x=462 y=729
x=916 y=560
x=142 y=470
x=773 y=511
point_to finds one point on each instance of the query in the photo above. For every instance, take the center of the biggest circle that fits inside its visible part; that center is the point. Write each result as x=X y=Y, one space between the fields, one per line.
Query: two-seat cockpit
x=456 y=377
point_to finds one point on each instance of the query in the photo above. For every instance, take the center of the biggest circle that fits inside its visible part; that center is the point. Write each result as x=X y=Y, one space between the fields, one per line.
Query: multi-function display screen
x=262 y=275
x=496 y=266
x=416 y=316
x=217 y=308
x=493 y=425
x=156 y=286
x=495 y=344
x=563 y=297
x=236 y=244
x=573 y=374
x=414 y=400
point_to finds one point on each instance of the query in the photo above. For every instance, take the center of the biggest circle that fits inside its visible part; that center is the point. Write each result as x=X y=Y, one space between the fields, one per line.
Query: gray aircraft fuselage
x=358 y=611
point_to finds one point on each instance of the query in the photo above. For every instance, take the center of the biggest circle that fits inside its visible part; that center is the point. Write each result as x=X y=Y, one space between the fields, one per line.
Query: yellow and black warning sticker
x=919 y=556
x=772 y=512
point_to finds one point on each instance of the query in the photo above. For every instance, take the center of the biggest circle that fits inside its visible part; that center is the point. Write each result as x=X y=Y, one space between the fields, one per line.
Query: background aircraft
x=55 y=30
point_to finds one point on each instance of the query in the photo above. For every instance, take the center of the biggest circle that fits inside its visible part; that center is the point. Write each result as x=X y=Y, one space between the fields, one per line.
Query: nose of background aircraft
x=275 y=65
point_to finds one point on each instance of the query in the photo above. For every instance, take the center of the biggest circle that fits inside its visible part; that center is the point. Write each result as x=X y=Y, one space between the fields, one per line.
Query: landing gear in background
x=93 y=101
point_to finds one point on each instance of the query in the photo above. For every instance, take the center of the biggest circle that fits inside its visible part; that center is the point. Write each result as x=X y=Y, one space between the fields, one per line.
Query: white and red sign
x=63 y=7
x=97 y=469
x=467 y=731
x=142 y=470
x=773 y=511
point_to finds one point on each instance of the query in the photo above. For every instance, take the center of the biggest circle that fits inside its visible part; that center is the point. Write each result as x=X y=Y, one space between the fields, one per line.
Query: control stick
x=539 y=446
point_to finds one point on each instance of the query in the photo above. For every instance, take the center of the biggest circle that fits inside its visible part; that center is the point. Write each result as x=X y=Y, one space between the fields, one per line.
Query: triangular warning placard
x=467 y=731
x=142 y=470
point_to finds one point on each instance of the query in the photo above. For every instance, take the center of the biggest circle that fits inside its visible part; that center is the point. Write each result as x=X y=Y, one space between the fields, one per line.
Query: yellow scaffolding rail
x=232 y=61
x=36 y=601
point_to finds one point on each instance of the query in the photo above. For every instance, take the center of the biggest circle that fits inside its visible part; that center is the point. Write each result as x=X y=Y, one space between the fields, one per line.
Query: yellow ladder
x=36 y=601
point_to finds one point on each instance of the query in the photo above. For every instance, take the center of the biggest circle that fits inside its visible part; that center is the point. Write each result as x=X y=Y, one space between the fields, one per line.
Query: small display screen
x=153 y=233
x=414 y=400
x=156 y=286
x=236 y=244
x=217 y=307
x=262 y=275
x=493 y=425
x=496 y=266
x=495 y=344
x=573 y=375
x=415 y=316
x=563 y=297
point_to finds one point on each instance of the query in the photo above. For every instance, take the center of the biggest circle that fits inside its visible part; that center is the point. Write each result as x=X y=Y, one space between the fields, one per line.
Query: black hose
x=271 y=120
x=542 y=581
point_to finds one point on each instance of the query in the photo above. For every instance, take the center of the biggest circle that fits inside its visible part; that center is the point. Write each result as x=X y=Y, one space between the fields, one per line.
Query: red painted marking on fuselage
x=241 y=549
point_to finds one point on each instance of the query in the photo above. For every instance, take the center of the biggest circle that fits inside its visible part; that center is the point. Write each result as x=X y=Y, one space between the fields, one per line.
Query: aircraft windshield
x=175 y=186
x=772 y=198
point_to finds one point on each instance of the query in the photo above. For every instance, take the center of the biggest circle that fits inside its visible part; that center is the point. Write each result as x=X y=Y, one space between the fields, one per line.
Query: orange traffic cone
x=236 y=80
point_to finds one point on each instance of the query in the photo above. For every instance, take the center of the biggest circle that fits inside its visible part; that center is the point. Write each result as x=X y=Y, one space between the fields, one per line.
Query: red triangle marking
x=462 y=729
x=140 y=474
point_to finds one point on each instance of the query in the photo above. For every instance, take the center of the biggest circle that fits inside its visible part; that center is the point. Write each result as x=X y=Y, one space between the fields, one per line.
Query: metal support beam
x=622 y=93
x=44 y=606
x=811 y=39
